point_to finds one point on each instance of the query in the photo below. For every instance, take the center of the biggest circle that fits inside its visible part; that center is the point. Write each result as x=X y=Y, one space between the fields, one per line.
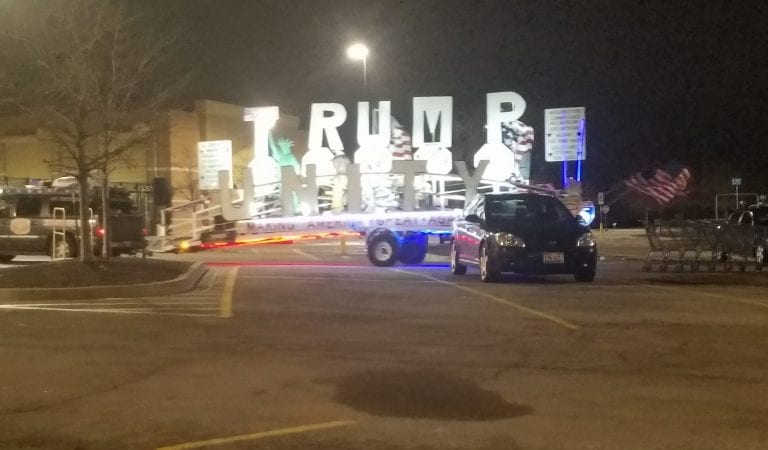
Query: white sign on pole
x=565 y=134
x=213 y=156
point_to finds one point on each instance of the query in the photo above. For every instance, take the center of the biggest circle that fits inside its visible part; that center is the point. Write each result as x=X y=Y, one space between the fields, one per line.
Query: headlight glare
x=509 y=240
x=586 y=240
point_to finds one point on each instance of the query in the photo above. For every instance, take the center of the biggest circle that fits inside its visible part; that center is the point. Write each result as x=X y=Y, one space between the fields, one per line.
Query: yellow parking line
x=711 y=295
x=519 y=307
x=261 y=435
x=225 y=304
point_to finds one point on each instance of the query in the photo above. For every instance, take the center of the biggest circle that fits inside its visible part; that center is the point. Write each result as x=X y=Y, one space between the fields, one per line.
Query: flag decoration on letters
x=661 y=184
x=400 y=142
x=517 y=136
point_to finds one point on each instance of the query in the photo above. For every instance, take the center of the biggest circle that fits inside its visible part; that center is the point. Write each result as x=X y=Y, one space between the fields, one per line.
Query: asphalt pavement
x=305 y=346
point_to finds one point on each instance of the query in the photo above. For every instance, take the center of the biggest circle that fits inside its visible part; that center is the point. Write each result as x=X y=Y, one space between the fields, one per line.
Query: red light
x=144 y=231
x=99 y=232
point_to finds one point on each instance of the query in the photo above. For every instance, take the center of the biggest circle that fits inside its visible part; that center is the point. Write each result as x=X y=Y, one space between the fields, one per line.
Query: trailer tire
x=383 y=247
x=413 y=248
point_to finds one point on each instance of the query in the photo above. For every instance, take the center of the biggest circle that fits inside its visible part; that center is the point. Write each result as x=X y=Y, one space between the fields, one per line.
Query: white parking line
x=97 y=303
x=203 y=302
x=111 y=311
x=305 y=254
x=345 y=280
x=540 y=314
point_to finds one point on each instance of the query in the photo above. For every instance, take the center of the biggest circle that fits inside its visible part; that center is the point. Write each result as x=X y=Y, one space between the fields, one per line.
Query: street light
x=360 y=51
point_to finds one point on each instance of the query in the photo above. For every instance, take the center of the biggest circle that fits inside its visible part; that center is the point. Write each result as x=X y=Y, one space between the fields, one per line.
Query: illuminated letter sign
x=496 y=114
x=320 y=123
x=382 y=137
x=264 y=168
x=322 y=159
x=471 y=181
x=304 y=188
x=228 y=210
x=500 y=107
x=433 y=110
x=409 y=169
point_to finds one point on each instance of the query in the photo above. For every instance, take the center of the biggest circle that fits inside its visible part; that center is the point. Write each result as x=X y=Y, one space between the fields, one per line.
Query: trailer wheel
x=383 y=247
x=413 y=248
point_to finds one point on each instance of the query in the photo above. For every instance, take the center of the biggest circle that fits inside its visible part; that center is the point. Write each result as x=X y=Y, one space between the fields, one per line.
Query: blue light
x=580 y=152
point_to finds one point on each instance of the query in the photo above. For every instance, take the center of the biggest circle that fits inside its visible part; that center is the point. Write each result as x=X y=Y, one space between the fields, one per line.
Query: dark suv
x=45 y=221
x=524 y=233
x=38 y=222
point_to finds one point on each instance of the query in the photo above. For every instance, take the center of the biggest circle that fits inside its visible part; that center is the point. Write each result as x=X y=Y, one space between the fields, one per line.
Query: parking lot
x=321 y=350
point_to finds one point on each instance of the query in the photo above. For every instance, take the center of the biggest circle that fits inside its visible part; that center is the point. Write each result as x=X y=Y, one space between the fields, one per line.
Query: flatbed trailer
x=392 y=235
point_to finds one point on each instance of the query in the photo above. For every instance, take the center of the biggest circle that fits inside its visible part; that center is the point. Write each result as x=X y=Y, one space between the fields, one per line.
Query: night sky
x=662 y=81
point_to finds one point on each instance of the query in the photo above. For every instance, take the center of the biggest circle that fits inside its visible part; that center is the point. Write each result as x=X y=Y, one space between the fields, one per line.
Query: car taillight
x=144 y=231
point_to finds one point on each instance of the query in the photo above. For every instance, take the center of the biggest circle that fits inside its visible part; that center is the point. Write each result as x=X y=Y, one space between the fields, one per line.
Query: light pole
x=360 y=51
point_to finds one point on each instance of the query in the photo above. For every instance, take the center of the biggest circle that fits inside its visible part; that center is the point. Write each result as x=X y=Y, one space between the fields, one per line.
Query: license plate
x=553 y=258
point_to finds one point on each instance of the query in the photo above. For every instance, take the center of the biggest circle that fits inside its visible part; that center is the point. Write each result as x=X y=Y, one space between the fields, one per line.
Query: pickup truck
x=745 y=234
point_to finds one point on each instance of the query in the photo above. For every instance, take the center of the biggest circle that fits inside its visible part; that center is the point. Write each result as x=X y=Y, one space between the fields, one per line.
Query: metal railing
x=190 y=223
x=700 y=242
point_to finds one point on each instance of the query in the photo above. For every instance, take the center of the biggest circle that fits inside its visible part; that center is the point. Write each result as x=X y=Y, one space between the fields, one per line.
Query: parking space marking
x=98 y=303
x=711 y=295
x=261 y=435
x=225 y=303
x=534 y=312
x=305 y=254
x=346 y=280
x=110 y=311
x=201 y=302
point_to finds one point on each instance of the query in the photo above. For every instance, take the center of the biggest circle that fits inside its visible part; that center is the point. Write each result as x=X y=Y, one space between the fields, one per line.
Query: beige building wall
x=24 y=157
x=178 y=158
x=172 y=154
x=131 y=167
x=28 y=156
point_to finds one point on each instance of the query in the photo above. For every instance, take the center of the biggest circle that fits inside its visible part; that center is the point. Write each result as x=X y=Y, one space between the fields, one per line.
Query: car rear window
x=542 y=209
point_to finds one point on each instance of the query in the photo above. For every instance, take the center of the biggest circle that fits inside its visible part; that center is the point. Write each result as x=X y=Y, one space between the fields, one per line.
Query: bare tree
x=96 y=80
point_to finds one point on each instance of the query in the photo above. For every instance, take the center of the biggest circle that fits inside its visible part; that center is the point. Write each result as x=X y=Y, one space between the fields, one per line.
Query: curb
x=178 y=285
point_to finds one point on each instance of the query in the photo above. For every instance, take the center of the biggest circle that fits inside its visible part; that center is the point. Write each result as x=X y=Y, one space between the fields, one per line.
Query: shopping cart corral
x=701 y=243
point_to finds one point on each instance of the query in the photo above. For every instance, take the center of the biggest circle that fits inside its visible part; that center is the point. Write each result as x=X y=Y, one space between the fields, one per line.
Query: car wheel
x=382 y=248
x=585 y=275
x=456 y=267
x=488 y=271
x=413 y=248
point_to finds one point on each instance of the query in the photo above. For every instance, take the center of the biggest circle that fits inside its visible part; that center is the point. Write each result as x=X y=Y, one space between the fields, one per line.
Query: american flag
x=660 y=184
x=400 y=142
x=517 y=136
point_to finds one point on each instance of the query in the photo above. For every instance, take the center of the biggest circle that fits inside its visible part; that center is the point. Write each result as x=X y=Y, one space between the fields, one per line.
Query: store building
x=25 y=154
